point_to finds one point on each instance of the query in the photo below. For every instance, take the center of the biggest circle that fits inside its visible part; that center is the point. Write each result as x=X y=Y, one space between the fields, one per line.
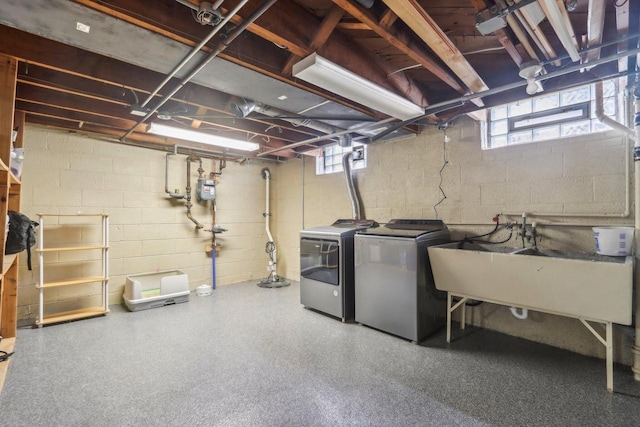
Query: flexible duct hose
x=355 y=204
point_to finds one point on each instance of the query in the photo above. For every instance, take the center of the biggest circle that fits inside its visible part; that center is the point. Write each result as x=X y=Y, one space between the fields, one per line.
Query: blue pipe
x=213 y=267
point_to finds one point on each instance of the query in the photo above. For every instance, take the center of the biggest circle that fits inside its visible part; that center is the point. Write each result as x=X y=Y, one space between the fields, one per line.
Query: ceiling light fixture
x=202 y=137
x=528 y=71
x=332 y=77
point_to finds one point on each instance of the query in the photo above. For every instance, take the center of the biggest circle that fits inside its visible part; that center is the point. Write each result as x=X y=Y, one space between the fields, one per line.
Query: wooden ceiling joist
x=426 y=28
x=401 y=41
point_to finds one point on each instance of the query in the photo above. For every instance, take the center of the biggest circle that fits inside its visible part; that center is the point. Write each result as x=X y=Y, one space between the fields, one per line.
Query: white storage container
x=157 y=289
x=613 y=241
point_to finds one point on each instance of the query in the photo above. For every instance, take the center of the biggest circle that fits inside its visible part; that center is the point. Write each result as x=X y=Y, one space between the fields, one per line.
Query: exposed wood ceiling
x=427 y=51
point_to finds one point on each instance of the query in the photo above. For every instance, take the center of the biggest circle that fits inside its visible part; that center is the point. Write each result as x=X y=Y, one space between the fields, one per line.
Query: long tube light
x=204 y=138
x=323 y=73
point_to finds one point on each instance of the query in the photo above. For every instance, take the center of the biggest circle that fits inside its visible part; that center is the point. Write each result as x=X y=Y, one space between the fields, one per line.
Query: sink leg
x=448 y=316
x=607 y=341
x=463 y=315
x=609 y=357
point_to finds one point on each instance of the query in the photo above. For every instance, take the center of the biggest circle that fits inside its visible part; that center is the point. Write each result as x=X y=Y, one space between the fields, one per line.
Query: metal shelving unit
x=103 y=278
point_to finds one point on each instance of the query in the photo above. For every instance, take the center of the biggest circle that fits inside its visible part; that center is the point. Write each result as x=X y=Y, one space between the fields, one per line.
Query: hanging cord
x=445 y=162
x=4 y=355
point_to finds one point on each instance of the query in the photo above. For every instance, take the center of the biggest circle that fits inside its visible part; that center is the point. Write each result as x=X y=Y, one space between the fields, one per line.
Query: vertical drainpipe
x=636 y=164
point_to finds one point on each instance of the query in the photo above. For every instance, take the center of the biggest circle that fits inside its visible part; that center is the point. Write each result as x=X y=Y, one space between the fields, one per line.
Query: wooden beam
x=286 y=24
x=326 y=27
x=558 y=17
x=387 y=19
x=622 y=26
x=354 y=26
x=532 y=28
x=595 y=28
x=402 y=42
x=70 y=101
x=329 y=23
x=8 y=73
x=426 y=28
x=95 y=76
x=80 y=117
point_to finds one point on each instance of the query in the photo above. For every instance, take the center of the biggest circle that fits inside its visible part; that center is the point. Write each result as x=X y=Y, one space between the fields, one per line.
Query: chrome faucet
x=523 y=229
x=532 y=236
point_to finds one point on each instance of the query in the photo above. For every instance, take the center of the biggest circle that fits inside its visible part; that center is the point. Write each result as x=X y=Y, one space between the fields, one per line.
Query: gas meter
x=206 y=189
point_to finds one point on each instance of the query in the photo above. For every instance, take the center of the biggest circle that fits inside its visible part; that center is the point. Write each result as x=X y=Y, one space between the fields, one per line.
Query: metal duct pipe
x=222 y=45
x=297 y=121
x=326 y=137
x=353 y=196
x=243 y=110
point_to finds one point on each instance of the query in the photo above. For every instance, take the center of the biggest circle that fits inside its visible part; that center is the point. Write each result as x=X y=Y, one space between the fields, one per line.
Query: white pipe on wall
x=628 y=134
x=636 y=163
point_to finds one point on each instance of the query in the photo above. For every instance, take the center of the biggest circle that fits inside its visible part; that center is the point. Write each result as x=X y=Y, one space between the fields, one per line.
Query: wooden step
x=72 y=248
x=65 y=316
x=71 y=282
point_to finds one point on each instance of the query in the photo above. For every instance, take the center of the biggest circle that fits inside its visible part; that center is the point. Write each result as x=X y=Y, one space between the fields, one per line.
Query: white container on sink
x=613 y=241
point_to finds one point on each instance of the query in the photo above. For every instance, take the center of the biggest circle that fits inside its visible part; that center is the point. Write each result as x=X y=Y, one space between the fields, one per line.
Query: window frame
x=501 y=128
x=322 y=168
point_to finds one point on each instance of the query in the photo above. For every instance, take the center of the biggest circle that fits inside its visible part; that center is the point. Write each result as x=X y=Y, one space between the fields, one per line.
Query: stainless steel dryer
x=394 y=287
x=326 y=267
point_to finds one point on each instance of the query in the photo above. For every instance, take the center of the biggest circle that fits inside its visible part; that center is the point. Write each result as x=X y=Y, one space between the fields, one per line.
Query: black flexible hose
x=4 y=355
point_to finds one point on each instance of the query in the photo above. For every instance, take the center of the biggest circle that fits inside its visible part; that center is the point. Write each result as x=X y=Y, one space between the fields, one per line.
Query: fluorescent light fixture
x=332 y=77
x=204 y=138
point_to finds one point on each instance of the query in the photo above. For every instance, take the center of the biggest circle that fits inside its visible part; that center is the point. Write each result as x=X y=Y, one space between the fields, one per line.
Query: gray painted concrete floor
x=249 y=356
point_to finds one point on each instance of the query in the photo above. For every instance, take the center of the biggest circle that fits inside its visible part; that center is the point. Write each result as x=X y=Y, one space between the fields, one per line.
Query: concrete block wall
x=149 y=231
x=402 y=180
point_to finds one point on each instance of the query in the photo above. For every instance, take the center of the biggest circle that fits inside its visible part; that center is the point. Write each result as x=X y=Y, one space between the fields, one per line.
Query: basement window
x=330 y=160
x=549 y=116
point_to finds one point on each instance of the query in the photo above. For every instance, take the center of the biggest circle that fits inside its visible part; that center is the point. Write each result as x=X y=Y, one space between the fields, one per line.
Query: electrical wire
x=444 y=165
x=4 y=355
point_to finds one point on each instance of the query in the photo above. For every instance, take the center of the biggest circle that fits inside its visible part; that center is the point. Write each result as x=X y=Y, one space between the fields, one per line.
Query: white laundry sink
x=582 y=285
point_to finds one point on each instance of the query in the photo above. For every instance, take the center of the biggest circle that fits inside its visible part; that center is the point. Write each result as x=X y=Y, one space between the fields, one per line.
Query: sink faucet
x=534 y=235
x=523 y=229
x=528 y=236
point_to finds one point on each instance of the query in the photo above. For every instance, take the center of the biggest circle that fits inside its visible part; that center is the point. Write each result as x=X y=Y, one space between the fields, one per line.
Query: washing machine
x=394 y=287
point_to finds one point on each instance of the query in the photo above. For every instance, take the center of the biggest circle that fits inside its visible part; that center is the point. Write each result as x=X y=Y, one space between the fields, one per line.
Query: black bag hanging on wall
x=21 y=235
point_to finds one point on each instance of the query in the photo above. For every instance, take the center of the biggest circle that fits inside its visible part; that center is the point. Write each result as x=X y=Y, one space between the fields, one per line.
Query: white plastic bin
x=157 y=289
x=613 y=241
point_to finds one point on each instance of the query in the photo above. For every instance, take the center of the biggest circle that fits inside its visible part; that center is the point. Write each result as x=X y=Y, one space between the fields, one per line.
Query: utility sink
x=583 y=285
